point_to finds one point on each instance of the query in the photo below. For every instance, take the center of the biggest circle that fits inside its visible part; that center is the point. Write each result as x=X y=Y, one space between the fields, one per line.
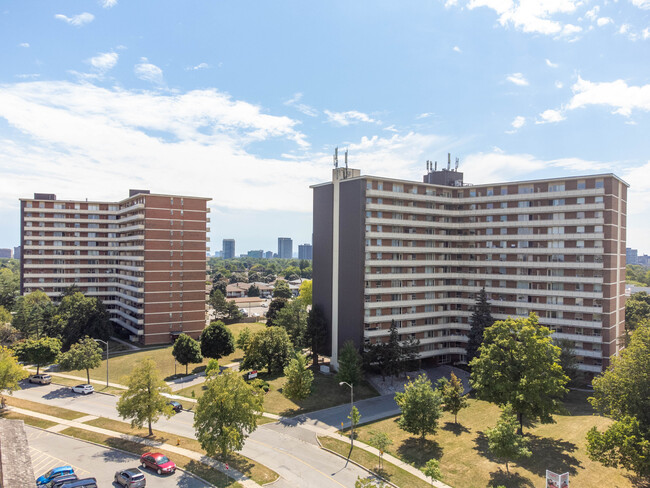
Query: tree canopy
x=226 y=413
x=299 y=379
x=349 y=364
x=637 y=310
x=453 y=395
x=11 y=372
x=81 y=316
x=85 y=354
x=293 y=319
x=9 y=286
x=316 y=333
x=276 y=305
x=305 y=295
x=519 y=364
x=282 y=290
x=503 y=440
x=34 y=315
x=39 y=352
x=480 y=320
x=421 y=407
x=269 y=348
x=144 y=401
x=186 y=350
x=217 y=341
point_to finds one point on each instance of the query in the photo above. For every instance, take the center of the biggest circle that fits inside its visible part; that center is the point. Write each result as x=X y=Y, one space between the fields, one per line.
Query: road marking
x=41 y=459
x=297 y=459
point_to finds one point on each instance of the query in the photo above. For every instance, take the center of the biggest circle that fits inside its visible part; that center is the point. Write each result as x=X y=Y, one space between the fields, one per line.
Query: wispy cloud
x=517 y=124
x=296 y=103
x=424 y=115
x=517 y=79
x=551 y=64
x=108 y=3
x=76 y=20
x=104 y=61
x=347 y=118
x=24 y=44
x=559 y=84
x=148 y=72
x=198 y=67
x=643 y=4
x=602 y=21
x=550 y=116
x=457 y=49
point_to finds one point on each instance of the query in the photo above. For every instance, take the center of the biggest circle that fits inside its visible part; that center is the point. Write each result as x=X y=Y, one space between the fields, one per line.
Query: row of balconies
x=475 y=263
x=481 y=276
x=546 y=209
x=473 y=289
x=388 y=236
x=490 y=250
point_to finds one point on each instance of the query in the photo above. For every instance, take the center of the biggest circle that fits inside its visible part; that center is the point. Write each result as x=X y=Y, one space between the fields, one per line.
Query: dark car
x=159 y=463
x=130 y=478
x=61 y=480
x=177 y=407
x=84 y=483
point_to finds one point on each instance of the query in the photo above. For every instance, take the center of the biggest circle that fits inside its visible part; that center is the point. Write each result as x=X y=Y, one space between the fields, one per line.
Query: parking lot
x=49 y=450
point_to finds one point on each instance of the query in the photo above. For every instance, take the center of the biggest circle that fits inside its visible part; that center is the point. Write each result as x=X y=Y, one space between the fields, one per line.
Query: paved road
x=286 y=449
x=49 y=450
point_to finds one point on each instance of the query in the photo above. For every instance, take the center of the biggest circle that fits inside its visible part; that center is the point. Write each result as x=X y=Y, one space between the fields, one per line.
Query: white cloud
x=28 y=76
x=616 y=94
x=517 y=79
x=108 y=3
x=77 y=20
x=198 y=67
x=559 y=84
x=451 y=3
x=602 y=21
x=24 y=44
x=644 y=4
x=104 y=61
x=624 y=29
x=346 y=118
x=518 y=122
x=424 y=115
x=533 y=16
x=457 y=49
x=646 y=33
x=548 y=116
x=148 y=72
x=551 y=64
x=301 y=107
x=593 y=13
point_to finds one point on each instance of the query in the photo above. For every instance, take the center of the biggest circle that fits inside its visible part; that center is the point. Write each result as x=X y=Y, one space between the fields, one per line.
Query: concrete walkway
x=62 y=424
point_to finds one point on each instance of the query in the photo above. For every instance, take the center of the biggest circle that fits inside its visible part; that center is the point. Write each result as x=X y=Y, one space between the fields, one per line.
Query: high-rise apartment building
x=631 y=256
x=268 y=255
x=228 y=251
x=17 y=252
x=144 y=257
x=285 y=248
x=418 y=253
x=256 y=254
x=6 y=253
x=305 y=251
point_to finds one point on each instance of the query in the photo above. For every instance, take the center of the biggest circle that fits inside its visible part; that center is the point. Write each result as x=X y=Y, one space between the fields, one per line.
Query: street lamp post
x=107 y=354
x=351 y=412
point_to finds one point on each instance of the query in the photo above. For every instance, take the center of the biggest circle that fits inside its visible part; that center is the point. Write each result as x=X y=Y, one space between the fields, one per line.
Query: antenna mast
x=336 y=157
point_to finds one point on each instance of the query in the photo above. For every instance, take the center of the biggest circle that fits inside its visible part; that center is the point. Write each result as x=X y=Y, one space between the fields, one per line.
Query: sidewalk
x=213 y=463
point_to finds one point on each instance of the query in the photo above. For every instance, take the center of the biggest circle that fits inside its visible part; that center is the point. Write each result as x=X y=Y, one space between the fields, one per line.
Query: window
x=582 y=184
x=59 y=206
x=557 y=202
x=580 y=244
x=600 y=184
x=526 y=189
x=556 y=230
x=580 y=229
x=598 y=200
x=524 y=204
x=93 y=207
x=398 y=188
x=556 y=187
x=580 y=201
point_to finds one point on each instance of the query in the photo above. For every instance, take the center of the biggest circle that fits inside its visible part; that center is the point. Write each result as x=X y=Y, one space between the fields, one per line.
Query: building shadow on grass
x=418 y=451
x=547 y=453
x=456 y=429
x=509 y=480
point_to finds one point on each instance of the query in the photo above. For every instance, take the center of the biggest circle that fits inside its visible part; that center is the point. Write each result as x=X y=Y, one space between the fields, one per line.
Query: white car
x=83 y=389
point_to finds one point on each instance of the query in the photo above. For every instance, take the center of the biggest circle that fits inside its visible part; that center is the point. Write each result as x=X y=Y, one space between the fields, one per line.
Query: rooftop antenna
x=336 y=157
x=448 y=161
x=346 y=163
x=457 y=161
x=435 y=168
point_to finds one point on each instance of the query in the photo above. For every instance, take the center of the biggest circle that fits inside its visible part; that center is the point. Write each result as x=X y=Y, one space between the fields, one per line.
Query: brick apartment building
x=144 y=257
x=418 y=253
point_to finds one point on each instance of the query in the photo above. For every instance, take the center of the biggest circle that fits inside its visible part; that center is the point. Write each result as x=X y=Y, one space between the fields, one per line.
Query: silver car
x=130 y=478
x=43 y=379
x=83 y=389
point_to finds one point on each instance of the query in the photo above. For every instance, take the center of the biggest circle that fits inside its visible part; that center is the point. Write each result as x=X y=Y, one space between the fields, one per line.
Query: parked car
x=177 y=407
x=159 y=463
x=84 y=483
x=83 y=389
x=61 y=480
x=54 y=473
x=42 y=379
x=130 y=478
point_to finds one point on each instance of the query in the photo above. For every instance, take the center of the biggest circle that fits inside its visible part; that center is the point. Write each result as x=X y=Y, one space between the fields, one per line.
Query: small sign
x=324 y=368
x=554 y=480
x=252 y=375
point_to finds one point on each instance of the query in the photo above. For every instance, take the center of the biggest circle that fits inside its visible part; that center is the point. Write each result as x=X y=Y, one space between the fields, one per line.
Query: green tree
x=253 y=290
x=432 y=470
x=518 y=364
x=85 y=354
x=305 y=295
x=503 y=440
x=623 y=394
x=8 y=334
x=316 y=333
x=232 y=311
x=293 y=319
x=186 y=350
x=217 y=341
x=213 y=367
x=453 y=395
x=11 y=372
x=82 y=316
x=637 y=309
x=392 y=353
x=39 y=352
x=480 y=320
x=354 y=418
x=569 y=361
x=421 y=407
x=34 y=315
x=349 y=364
x=218 y=302
x=244 y=339
x=292 y=273
x=380 y=441
x=226 y=413
x=299 y=379
x=144 y=401
x=9 y=286
x=5 y=316
x=282 y=290
x=269 y=348
x=276 y=305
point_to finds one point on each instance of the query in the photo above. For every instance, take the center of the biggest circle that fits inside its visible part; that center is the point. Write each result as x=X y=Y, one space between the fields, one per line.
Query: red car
x=158 y=462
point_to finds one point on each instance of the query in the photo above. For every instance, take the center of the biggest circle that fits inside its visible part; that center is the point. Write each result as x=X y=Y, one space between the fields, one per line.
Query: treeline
x=251 y=270
x=637 y=275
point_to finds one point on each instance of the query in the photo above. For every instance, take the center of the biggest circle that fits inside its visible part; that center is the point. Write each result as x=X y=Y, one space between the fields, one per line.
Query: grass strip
x=62 y=413
x=209 y=474
x=257 y=472
x=370 y=461
x=29 y=420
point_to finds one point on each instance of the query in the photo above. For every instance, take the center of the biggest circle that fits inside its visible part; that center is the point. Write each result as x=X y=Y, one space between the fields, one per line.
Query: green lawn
x=121 y=366
x=28 y=419
x=466 y=462
x=62 y=413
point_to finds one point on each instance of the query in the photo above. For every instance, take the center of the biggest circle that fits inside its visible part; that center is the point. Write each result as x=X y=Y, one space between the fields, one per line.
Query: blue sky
x=245 y=101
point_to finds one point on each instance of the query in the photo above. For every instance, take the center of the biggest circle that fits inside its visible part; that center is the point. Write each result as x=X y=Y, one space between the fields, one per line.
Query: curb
x=69 y=387
x=357 y=464
x=122 y=451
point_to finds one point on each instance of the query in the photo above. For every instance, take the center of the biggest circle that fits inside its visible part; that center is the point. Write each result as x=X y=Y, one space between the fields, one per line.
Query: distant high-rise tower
x=17 y=252
x=285 y=247
x=305 y=251
x=228 y=248
x=268 y=254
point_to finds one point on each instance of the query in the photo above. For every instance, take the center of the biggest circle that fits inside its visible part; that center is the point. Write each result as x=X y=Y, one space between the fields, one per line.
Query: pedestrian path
x=80 y=379
x=213 y=463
